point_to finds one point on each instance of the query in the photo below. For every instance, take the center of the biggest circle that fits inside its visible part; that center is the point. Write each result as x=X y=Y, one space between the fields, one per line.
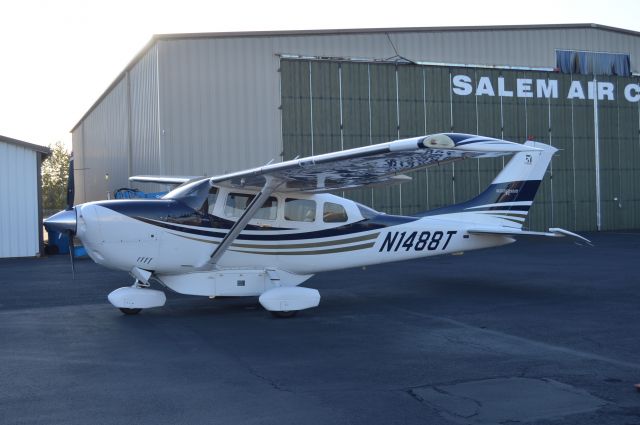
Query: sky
x=57 y=57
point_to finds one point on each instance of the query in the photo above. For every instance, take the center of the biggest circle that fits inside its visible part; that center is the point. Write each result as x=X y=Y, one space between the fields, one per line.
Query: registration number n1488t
x=418 y=241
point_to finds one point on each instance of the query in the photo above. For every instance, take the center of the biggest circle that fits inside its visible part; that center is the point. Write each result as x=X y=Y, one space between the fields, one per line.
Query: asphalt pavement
x=540 y=331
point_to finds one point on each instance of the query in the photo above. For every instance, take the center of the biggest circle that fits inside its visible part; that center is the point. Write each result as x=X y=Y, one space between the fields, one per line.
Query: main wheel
x=284 y=314
x=131 y=311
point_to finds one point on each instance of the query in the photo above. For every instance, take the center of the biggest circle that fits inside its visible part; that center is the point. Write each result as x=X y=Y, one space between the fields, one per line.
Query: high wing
x=369 y=165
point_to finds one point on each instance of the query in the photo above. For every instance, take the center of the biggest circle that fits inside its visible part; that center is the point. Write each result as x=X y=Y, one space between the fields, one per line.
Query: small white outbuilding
x=20 y=198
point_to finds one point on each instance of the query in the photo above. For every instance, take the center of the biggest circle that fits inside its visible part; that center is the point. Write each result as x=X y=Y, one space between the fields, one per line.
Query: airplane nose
x=63 y=221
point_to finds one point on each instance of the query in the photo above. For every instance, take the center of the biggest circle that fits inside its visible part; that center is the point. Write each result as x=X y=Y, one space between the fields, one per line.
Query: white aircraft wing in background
x=163 y=179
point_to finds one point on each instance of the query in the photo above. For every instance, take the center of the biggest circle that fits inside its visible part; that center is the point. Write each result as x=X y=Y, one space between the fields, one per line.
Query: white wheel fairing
x=132 y=298
x=290 y=299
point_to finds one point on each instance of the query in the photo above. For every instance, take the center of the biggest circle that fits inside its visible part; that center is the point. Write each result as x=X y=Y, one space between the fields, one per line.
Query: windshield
x=192 y=194
x=366 y=211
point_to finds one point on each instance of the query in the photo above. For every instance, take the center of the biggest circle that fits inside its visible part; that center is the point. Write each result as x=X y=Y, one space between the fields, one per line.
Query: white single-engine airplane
x=264 y=231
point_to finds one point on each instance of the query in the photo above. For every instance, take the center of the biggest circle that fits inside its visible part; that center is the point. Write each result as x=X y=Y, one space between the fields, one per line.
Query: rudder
x=510 y=195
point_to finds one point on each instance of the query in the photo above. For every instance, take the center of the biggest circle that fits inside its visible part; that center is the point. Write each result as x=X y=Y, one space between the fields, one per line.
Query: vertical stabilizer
x=509 y=197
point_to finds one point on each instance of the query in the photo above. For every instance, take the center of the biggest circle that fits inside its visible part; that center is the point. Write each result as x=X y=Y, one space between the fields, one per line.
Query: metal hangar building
x=20 y=198
x=204 y=104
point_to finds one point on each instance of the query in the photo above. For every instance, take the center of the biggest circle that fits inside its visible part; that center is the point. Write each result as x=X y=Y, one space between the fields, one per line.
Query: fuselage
x=301 y=234
x=264 y=231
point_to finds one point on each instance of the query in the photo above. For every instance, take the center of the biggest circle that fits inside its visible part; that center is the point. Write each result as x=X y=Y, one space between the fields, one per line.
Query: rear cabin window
x=333 y=213
x=299 y=210
x=238 y=202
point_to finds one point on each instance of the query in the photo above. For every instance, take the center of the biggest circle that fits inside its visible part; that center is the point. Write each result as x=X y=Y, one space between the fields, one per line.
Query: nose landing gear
x=132 y=299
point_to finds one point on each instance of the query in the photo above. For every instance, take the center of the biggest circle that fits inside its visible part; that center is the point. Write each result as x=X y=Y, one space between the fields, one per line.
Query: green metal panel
x=325 y=92
x=384 y=127
x=381 y=101
x=412 y=114
x=538 y=128
x=562 y=164
x=628 y=204
x=609 y=159
x=514 y=115
x=583 y=135
x=465 y=120
x=618 y=121
x=356 y=116
x=438 y=106
x=489 y=124
x=355 y=104
x=296 y=108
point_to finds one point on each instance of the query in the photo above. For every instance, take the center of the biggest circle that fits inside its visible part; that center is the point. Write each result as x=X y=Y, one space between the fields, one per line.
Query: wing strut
x=269 y=187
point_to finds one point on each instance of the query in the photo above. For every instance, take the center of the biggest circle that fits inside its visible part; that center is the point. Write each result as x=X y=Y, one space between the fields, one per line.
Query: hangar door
x=594 y=181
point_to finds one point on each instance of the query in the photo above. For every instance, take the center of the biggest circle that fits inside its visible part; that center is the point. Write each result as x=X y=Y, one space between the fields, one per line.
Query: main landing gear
x=280 y=301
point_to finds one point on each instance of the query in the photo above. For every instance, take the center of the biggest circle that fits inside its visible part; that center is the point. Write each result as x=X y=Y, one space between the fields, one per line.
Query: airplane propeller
x=65 y=220
x=71 y=192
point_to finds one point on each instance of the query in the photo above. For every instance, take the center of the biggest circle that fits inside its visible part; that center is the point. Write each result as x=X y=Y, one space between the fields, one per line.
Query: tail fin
x=508 y=199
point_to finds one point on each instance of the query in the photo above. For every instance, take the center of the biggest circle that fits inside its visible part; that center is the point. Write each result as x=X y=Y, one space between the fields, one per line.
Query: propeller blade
x=72 y=254
x=71 y=187
x=71 y=191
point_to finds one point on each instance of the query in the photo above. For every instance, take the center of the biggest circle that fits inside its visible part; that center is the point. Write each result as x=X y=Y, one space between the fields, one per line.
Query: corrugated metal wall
x=144 y=94
x=218 y=107
x=80 y=172
x=107 y=131
x=329 y=105
x=18 y=202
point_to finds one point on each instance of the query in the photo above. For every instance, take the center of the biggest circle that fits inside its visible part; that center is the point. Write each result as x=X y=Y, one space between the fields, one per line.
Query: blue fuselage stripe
x=174 y=215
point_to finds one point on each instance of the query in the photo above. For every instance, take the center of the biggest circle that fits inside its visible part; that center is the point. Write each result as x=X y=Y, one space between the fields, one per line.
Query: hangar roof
x=38 y=148
x=392 y=30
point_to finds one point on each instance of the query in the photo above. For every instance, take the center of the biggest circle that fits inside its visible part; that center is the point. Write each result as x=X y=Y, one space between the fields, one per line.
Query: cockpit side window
x=333 y=213
x=299 y=210
x=237 y=202
x=212 y=198
x=268 y=210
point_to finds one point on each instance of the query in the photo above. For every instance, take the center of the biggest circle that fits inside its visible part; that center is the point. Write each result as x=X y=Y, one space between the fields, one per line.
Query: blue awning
x=593 y=63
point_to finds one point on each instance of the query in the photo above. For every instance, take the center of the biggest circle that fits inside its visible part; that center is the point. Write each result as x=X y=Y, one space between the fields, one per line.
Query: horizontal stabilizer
x=554 y=232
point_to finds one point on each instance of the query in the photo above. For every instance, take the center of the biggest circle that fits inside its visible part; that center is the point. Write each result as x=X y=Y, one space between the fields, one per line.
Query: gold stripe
x=509 y=219
x=310 y=245
x=289 y=246
x=196 y=239
x=316 y=252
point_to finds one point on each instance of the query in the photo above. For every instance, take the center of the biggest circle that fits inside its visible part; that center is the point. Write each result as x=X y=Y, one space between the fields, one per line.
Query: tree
x=55 y=173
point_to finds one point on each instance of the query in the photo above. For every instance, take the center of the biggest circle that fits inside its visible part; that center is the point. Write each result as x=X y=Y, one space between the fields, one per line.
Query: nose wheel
x=131 y=311
x=284 y=314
